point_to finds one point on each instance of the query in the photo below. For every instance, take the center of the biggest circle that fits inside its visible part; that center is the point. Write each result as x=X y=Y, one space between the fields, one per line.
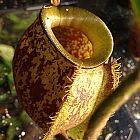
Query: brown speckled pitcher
x=59 y=67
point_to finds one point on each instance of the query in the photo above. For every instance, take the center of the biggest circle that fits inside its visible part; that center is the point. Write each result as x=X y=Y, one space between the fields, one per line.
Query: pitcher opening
x=80 y=36
x=74 y=42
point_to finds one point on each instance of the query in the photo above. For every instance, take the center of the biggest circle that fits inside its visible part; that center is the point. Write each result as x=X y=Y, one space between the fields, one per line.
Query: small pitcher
x=59 y=67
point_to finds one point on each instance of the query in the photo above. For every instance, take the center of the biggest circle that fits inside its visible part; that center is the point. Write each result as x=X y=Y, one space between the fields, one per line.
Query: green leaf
x=3 y=97
x=25 y=118
x=136 y=7
x=6 y=54
x=77 y=133
x=11 y=133
x=11 y=83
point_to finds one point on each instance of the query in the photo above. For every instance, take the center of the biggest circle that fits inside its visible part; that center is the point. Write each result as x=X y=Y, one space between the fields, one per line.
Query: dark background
x=120 y=19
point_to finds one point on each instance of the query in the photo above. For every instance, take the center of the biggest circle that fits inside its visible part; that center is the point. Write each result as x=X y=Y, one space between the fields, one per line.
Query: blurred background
x=122 y=18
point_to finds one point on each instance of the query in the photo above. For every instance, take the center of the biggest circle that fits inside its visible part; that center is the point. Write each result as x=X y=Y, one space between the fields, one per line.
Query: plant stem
x=112 y=104
x=55 y=2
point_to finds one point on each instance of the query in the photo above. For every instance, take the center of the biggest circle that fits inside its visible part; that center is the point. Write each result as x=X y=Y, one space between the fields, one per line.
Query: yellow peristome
x=88 y=23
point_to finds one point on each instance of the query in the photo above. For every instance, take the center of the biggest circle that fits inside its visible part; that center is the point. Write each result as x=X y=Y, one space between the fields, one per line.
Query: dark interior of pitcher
x=74 y=42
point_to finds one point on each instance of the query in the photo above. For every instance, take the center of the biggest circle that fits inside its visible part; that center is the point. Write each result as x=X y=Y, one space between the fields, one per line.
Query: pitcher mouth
x=91 y=27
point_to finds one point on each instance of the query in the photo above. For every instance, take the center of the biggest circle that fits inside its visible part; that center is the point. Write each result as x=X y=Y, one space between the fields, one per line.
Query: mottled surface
x=80 y=100
x=50 y=87
x=40 y=74
x=74 y=41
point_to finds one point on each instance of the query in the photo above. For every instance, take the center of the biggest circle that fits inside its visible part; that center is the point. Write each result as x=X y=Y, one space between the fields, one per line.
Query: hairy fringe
x=66 y=102
x=116 y=72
